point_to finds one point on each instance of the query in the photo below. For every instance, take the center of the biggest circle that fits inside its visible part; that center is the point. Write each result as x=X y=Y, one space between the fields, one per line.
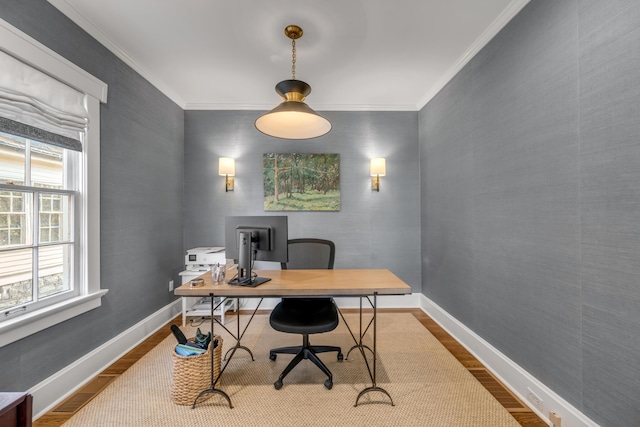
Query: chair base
x=305 y=351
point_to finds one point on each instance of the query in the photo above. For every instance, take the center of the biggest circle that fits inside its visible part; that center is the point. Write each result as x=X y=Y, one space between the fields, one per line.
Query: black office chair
x=306 y=316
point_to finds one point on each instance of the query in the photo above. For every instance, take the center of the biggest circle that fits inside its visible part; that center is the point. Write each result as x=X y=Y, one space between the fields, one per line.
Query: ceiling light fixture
x=293 y=119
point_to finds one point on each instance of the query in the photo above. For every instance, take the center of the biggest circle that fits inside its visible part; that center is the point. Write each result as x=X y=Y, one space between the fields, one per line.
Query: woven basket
x=192 y=374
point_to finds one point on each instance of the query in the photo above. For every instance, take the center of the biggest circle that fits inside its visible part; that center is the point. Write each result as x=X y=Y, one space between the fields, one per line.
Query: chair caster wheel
x=272 y=356
x=328 y=384
x=277 y=385
x=340 y=357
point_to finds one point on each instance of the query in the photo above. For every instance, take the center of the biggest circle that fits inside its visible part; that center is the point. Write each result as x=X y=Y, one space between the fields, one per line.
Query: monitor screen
x=250 y=238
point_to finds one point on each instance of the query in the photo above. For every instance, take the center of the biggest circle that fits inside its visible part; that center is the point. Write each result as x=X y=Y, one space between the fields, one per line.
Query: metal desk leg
x=239 y=336
x=359 y=345
x=374 y=386
x=212 y=389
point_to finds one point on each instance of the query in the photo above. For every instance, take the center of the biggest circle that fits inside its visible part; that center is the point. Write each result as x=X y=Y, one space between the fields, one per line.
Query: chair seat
x=293 y=316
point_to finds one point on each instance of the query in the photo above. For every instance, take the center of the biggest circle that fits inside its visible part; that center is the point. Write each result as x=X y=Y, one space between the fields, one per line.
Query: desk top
x=306 y=283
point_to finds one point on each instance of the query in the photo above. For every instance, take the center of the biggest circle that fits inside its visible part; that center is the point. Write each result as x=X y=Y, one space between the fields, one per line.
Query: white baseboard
x=52 y=391
x=513 y=376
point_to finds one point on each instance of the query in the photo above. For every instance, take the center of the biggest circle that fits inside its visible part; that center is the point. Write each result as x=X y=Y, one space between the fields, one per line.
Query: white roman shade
x=34 y=105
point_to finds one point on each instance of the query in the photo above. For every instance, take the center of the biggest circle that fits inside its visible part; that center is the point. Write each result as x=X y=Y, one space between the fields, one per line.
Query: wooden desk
x=305 y=283
x=292 y=283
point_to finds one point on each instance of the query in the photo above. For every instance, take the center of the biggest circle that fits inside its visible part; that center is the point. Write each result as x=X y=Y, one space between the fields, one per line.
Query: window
x=38 y=225
x=49 y=187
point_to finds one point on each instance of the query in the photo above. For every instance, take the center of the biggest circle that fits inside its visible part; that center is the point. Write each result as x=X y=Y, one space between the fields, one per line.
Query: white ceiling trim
x=316 y=107
x=496 y=26
x=86 y=24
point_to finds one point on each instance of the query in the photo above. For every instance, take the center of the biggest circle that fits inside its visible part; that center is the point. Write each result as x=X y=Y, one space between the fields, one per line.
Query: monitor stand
x=256 y=281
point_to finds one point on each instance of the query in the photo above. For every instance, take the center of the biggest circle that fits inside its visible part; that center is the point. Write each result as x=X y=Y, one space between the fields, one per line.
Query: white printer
x=205 y=256
x=197 y=262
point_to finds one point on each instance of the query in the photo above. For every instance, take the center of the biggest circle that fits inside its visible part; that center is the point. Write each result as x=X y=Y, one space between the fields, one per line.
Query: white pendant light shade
x=293 y=123
x=293 y=119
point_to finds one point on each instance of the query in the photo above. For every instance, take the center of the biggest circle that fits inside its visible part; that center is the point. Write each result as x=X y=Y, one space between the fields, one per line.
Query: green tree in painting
x=301 y=182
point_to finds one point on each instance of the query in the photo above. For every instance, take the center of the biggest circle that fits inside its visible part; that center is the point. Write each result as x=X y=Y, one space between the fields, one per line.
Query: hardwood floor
x=522 y=414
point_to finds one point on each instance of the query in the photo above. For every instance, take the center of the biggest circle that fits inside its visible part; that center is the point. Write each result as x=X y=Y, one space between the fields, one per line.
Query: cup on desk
x=219 y=272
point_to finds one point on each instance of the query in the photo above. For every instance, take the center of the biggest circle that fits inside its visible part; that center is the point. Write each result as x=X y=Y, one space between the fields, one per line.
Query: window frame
x=32 y=52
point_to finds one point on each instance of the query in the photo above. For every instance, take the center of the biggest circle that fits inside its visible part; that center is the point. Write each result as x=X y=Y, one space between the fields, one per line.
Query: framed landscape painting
x=301 y=182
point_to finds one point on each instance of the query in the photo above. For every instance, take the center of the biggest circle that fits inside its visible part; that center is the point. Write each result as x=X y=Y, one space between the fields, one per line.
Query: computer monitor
x=250 y=238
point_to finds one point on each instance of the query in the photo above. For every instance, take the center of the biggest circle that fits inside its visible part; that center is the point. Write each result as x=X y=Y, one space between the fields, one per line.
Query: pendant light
x=293 y=119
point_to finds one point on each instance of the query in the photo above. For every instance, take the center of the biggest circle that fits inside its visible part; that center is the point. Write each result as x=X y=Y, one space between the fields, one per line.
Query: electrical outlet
x=535 y=400
x=170 y=285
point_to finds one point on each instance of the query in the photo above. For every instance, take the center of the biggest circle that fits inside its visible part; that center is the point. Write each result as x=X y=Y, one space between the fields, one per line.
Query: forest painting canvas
x=301 y=182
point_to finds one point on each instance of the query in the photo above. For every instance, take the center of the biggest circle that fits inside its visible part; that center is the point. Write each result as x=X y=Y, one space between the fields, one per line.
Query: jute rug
x=429 y=387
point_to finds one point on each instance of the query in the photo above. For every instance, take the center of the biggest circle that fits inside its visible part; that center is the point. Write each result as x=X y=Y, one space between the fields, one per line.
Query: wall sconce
x=227 y=168
x=378 y=169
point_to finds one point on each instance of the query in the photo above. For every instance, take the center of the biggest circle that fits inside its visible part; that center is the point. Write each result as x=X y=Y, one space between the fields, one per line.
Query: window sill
x=22 y=326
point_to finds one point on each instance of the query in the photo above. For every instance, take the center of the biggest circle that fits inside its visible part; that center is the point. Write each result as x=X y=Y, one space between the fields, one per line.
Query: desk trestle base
x=212 y=390
x=359 y=347
x=373 y=388
x=237 y=347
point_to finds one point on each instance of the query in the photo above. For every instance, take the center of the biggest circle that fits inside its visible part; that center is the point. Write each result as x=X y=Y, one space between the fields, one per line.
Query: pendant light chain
x=293 y=59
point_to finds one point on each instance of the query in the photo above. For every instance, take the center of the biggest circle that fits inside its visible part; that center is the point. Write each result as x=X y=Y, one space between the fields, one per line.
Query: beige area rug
x=428 y=385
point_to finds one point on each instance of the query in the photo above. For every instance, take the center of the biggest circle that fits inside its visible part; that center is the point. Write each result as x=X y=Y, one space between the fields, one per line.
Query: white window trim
x=32 y=52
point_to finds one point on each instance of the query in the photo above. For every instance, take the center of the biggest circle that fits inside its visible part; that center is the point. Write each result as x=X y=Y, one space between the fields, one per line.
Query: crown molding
x=83 y=22
x=496 y=26
x=316 y=107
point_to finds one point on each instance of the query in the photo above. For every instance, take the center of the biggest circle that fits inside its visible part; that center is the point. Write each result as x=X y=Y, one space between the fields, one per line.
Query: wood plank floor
x=522 y=414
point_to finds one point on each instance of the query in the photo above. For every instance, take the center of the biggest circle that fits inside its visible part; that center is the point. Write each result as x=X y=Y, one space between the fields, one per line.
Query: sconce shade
x=378 y=167
x=293 y=119
x=226 y=166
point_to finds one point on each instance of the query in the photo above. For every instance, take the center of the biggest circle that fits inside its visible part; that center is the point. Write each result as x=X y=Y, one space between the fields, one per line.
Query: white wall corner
x=506 y=370
x=53 y=390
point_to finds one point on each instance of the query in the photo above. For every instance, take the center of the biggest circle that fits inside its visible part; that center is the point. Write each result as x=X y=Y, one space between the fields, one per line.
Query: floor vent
x=504 y=396
x=84 y=395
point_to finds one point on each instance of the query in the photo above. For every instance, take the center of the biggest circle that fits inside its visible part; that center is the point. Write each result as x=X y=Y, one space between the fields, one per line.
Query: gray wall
x=141 y=194
x=372 y=230
x=528 y=185
x=530 y=189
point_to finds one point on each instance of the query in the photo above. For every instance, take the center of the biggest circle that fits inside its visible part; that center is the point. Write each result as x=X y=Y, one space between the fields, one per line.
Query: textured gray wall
x=609 y=62
x=141 y=194
x=372 y=230
x=530 y=194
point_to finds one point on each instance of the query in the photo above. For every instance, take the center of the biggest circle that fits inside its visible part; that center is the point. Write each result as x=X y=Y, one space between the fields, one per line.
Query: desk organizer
x=192 y=374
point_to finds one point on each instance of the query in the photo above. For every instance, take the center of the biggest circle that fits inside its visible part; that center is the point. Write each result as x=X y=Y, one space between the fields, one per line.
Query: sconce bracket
x=229 y=181
x=375 y=183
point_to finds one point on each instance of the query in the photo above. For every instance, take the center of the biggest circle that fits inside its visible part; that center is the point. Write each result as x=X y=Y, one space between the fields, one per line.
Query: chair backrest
x=310 y=254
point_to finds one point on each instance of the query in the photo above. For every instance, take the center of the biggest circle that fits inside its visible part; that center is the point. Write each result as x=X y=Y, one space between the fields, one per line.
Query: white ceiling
x=355 y=54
